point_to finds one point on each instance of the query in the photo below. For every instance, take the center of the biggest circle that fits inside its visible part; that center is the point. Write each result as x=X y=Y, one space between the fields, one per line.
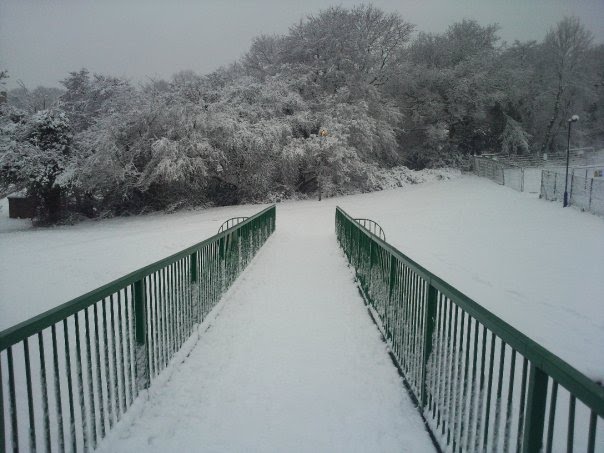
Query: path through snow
x=291 y=362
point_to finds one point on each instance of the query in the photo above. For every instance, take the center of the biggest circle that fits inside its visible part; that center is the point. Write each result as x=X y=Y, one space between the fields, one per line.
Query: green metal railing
x=481 y=385
x=373 y=227
x=230 y=223
x=68 y=375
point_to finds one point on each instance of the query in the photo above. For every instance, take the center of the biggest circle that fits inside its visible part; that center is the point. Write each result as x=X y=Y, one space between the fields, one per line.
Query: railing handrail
x=585 y=389
x=361 y=222
x=239 y=220
x=25 y=329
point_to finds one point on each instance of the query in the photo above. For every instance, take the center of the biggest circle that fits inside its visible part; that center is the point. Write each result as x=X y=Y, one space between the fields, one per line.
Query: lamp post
x=571 y=120
x=322 y=135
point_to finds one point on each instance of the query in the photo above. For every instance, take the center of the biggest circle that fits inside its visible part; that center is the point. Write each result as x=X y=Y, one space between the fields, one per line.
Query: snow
x=42 y=268
x=292 y=334
x=292 y=362
x=531 y=262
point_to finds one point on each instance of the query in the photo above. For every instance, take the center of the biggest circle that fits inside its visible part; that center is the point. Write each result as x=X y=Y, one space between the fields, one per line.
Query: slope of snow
x=292 y=362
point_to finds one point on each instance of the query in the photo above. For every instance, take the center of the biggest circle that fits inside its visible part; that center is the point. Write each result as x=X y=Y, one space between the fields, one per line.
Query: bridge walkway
x=289 y=361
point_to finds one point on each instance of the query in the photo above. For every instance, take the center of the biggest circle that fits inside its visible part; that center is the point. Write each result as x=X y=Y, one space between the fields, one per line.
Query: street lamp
x=322 y=135
x=571 y=120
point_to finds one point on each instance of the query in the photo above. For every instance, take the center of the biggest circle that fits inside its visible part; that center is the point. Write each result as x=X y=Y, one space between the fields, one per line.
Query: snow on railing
x=68 y=375
x=480 y=384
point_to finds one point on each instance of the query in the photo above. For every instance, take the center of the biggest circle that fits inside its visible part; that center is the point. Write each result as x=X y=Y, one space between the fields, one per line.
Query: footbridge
x=288 y=338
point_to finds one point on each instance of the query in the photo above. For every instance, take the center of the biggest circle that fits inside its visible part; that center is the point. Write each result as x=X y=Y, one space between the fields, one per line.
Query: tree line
x=342 y=96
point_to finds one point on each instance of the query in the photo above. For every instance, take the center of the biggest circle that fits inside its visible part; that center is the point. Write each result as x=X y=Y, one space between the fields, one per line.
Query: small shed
x=20 y=206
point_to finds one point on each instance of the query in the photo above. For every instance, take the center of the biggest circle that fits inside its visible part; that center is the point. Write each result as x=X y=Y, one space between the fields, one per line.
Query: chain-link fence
x=523 y=173
x=585 y=193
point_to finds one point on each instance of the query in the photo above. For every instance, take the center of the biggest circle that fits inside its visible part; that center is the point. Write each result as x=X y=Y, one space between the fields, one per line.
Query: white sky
x=42 y=40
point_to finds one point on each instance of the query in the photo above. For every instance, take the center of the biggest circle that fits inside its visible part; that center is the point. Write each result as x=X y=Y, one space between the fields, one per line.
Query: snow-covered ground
x=538 y=266
x=531 y=262
x=42 y=268
x=292 y=362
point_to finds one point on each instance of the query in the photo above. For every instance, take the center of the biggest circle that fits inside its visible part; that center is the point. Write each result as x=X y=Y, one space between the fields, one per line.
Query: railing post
x=534 y=419
x=195 y=287
x=429 y=323
x=2 y=429
x=140 y=332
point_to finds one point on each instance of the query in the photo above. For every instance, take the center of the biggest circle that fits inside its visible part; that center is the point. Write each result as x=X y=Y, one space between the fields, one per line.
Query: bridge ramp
x=290 y=362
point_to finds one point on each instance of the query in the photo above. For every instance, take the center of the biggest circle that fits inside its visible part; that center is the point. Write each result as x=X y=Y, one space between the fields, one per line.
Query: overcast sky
x=42 y=40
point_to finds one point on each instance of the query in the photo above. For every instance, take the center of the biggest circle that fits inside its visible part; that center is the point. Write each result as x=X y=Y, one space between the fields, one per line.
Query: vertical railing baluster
x=3 y=437
x=13 y=399
x=473 y=388
x=72 y=430
x=57 y=382
x=129 y=307
x=508 y=409
x=90 y=380
x=552 y=417
x=157 y=303
x=166 y=319
x=123 y=354
x=81 y=401
x=534 y=419
x=481 y=393
x=591 y=434
x=498 y=394
x=150 y=322
x=489 y=391
x=449 y=367
x=195 y=286
x=141 y=357
x=107 y=373
x=570 y=436
x=429 y=323
x=99 y=380
x=114 y=354
x=44 y=391
x=520 y=429
x=453 y=375
x=464 y=390
x=458 y=404
x=30 y=399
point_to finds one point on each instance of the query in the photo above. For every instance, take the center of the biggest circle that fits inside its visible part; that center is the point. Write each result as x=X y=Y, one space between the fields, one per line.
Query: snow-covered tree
x=34 y=154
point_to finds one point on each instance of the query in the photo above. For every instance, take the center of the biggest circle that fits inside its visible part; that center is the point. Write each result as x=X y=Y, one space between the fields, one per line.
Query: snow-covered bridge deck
x=290 y=362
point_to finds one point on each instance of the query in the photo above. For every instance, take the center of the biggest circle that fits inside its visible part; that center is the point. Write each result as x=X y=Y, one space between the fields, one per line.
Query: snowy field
x=536 y=265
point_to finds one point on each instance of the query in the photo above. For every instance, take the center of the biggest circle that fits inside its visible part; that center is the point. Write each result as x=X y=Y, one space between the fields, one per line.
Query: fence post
x=429 y=323
x=140 y=332
x=591 y=188
x=522 y=179
x=534 y=419
x=555 y=184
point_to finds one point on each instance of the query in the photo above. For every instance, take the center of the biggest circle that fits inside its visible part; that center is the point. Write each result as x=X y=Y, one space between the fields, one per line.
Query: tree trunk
x=548 y=138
